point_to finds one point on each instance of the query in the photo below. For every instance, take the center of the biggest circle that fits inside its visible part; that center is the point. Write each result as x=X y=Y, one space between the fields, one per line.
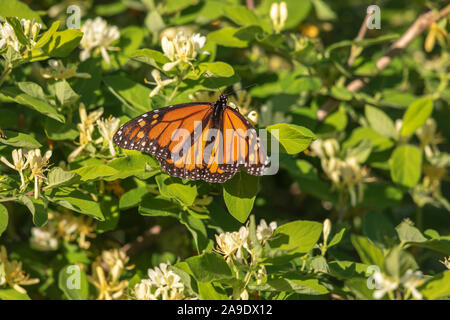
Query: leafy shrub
x=356 y=209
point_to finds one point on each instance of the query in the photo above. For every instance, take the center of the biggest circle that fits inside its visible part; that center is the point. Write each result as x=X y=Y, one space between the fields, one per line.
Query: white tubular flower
x=43 y=239
x=86 y=128
x=384 y=285
x=31 y=30
x=181 y=48
x=18 y=164
x=8 y=38
x=163 y=284
x=446 y=262
x=116 y=260
x=411 y=281
x=230 y=244
x=37 y=163
x=98 y=35
x=264 y=231
x=326 y=230
x=278 y=14
x=158 y=82
x=58 y=71
x=107 y=128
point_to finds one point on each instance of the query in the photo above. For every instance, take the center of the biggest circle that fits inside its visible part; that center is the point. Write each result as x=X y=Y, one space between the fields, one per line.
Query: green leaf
x=37 y=208
x=292 y=282
x=239 y=194
x=229 y=37
x=150 y=57
x=76 y=200
x=293 y=138
x=379 y=229
x=218 y=68
x=110 y=207
x=406 y=165
x=438 y=287
x=407 y=233
x=361 y=151
x=132 y=198
x=16 y=8
x=130 y=92
x=61 y=44
x=95 y=172
x=298 y=236
x=57 y=131
x=46 y=37
x=347 y=269
x=18 y=30
x=12 y=294
x=416 y=115
x=174 y=188
x=398 y=261
x=298 y=10
x=336 y=238
x=73 y=282
x=65 y=93
x=197 y=229
x=158 y=206
x=58 y=177
x=14 y=94
x=134 y=164
x=208 y=267
x=377 y=141
x=368 y=252
x=380 y=122
x=243 y=16
x=3 y=219
x=32 y=89
x=19 y=140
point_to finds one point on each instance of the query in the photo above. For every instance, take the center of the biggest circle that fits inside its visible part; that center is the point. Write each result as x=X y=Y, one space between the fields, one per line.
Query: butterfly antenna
x=210 y=78
x=249 y=86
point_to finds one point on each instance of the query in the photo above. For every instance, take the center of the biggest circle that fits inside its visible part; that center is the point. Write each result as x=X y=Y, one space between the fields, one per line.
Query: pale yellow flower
x=11 y=273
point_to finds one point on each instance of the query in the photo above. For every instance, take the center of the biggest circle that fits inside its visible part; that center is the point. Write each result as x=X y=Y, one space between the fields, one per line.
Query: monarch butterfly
x=199 y=140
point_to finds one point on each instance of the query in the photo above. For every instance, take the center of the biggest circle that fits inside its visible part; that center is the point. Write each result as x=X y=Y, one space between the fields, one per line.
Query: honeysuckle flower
x=436 y=31
x=384 y=285
x=86 y=128
x=98 y=35
x=264 y=231
x=181 y=48
x=230 y=243
x=11 y=273
x=38 y=165
x=106 y=288
x=429 y=137
x=162 y=284
x=345 y=174
x=31 y=30
x=411 y=280
x=107 y=128
x=278 y=14
x=116 y=260
x=85 y=228
x=446 y=262
x=58 y=71
x=326 y=230
x=8 y=37
x=43 y=239
x=18 y=164
x=158 y=82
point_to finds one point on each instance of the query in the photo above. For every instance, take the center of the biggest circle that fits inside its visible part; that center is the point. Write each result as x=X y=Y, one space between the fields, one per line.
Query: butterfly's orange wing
x=242 y=147
x=185 y=140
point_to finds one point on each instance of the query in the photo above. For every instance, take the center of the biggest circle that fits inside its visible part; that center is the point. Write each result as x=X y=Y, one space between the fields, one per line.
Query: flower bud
x=326 y=230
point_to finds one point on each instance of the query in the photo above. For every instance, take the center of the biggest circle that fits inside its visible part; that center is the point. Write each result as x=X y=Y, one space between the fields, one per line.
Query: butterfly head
x=222 y=101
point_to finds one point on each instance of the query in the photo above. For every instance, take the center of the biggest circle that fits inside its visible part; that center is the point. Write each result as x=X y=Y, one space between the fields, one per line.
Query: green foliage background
x=391 y=210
